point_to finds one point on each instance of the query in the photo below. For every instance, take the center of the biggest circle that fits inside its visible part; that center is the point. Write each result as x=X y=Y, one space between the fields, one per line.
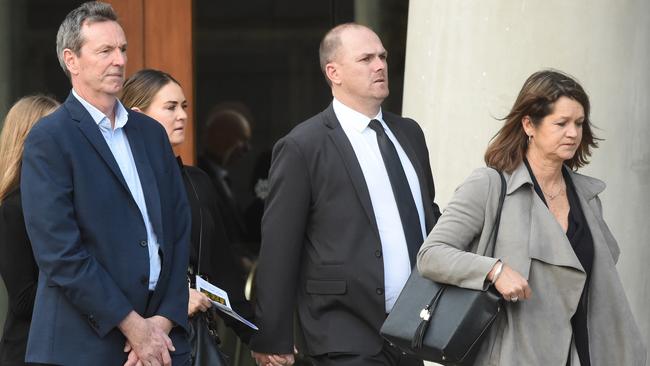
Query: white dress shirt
x=397 y=266
x=119 y=144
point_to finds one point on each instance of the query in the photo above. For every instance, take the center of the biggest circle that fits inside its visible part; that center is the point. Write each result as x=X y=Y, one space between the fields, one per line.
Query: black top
x=582 y=242
x=219 y=264
x=20 y=274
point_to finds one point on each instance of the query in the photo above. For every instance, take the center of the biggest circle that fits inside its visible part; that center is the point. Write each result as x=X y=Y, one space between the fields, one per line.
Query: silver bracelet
x=497 y=273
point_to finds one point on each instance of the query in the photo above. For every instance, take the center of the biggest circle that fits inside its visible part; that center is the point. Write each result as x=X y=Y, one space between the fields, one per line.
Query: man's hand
x=158 y=321
x=266 y=359
x=161 y=322
x=198 y=302
x=147 y=340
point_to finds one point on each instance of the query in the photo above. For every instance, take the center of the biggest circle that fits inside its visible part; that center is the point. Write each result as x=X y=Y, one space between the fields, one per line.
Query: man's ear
x=71 y=61
x=332 y=72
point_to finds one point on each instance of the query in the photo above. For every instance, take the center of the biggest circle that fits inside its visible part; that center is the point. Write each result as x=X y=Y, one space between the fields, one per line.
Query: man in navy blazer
x=107 y=215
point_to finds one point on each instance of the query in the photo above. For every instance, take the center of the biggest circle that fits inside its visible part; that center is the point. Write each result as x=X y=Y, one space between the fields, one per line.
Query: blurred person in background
x=225 y=140
x=17 y=265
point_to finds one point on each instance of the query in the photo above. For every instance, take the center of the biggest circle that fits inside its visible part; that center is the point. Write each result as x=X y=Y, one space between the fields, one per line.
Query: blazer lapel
x=429 y=218
x=90 y=129
x=351 y=164
x=147 y=178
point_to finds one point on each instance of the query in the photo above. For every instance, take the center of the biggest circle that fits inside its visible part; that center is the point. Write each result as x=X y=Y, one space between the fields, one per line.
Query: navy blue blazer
x=90 y=241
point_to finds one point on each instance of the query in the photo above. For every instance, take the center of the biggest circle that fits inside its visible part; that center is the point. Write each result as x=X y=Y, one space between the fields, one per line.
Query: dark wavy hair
x=536 y=100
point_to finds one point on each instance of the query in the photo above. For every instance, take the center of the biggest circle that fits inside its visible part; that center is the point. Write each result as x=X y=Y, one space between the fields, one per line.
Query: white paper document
x=219 y=298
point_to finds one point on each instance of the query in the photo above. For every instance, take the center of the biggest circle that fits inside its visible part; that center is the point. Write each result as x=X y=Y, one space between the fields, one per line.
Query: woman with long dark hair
x=555 y=257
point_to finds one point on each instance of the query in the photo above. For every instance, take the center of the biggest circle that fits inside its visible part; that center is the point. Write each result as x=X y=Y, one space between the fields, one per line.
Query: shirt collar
x=352 y=118
x=121 y=115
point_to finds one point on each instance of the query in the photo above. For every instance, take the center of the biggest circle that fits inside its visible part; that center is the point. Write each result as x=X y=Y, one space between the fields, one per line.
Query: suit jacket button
x=378 y=253
x=380 y=291
x=92 y=321
x=143 y=243
x=144 y=280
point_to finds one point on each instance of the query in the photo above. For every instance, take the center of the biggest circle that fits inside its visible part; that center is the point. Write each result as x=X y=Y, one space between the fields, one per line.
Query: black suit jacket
x=321 y=249
x=20 y=274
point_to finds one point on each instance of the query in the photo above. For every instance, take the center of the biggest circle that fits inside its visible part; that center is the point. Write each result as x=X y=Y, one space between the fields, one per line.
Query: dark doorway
x=263 y=55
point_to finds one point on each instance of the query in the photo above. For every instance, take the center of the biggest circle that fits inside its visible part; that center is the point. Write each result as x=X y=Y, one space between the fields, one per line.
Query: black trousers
x=389 y=356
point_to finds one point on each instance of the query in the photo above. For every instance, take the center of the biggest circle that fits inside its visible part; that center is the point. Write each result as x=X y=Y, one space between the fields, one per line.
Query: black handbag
x=205 y=342
x=203 y=337
x=444 y=323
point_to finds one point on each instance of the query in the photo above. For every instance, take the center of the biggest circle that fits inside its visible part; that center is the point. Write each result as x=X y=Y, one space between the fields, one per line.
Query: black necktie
x=401 y=190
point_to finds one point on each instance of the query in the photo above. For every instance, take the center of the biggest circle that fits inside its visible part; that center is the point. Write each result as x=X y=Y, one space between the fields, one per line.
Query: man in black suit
x=351 y=199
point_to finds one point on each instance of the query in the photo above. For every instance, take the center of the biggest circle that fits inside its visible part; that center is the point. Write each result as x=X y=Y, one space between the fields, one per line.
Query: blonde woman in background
x=17 y=266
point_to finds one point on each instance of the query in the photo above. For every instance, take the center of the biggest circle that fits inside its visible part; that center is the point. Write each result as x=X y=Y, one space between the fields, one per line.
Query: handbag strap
x=497 y=220
x=425 y=314
x=198 y=201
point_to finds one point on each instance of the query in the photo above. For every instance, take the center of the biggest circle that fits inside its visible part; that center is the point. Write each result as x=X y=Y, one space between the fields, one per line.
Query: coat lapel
x=606 y=293
x=547 y=242
x=147 y=178
x=394 y=126
x=589 y=188
x=343 y=145
x=91 y=131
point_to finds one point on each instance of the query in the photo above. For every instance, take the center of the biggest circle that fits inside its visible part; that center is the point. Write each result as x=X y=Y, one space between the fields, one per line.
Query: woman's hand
x=510 y=284
x=198 y=302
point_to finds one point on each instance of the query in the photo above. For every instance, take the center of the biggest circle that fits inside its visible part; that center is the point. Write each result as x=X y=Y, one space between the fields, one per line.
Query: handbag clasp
x=425 y=314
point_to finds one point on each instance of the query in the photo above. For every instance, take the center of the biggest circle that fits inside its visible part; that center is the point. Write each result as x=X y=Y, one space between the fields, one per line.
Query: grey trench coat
x=535 y=331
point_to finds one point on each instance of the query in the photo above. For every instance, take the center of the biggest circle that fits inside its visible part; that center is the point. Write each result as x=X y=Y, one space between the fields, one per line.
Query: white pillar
x=466 y=61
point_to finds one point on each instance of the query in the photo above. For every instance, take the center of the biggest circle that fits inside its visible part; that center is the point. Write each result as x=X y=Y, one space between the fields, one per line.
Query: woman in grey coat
x=555 y=257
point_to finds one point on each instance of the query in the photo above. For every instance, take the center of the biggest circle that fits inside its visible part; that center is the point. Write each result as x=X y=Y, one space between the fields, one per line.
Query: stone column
x=466 y=61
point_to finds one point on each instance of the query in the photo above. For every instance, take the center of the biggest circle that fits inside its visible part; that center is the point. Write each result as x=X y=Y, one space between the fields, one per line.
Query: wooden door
x=159 y=36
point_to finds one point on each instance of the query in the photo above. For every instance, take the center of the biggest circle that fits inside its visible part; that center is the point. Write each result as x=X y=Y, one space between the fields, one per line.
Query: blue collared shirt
x=119 y=144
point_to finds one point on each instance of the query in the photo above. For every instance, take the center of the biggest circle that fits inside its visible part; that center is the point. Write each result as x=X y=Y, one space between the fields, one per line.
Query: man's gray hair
x=69 y=34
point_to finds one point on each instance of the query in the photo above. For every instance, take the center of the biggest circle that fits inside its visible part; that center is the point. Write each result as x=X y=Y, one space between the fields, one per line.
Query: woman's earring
x=529 y=138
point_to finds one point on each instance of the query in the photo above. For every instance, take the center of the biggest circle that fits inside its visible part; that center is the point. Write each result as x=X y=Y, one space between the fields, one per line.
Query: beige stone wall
x=466 y=60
